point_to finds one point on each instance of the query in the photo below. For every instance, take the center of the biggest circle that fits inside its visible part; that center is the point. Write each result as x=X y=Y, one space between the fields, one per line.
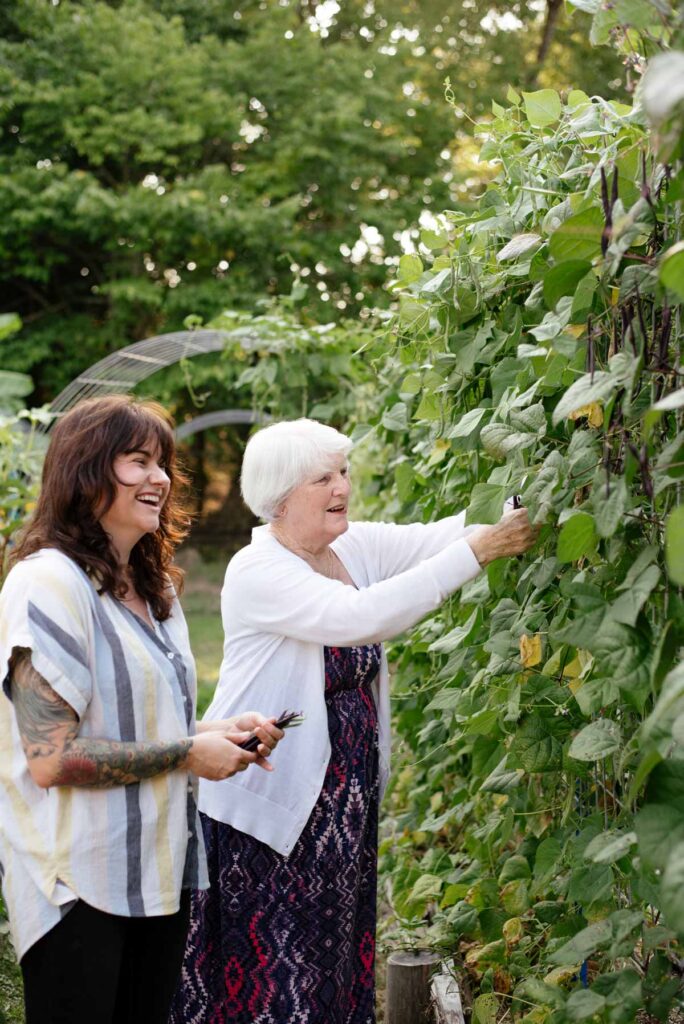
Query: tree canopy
x=162 y=157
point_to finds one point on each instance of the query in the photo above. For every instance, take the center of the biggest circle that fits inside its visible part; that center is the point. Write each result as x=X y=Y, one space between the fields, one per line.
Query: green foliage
x=162 y=157
x=537 y=823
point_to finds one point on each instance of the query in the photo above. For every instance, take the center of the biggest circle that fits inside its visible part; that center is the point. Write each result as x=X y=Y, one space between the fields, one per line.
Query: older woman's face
x=316 y=511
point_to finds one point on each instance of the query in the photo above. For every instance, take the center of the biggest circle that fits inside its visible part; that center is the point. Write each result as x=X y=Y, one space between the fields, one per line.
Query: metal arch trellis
x=126 y=367
x=219 y=419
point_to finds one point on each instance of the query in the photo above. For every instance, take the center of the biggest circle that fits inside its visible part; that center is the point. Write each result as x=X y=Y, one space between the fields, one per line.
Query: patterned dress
x=292 y=940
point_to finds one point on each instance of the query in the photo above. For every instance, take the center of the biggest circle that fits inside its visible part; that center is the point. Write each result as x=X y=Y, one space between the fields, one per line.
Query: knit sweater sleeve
x=273 y=591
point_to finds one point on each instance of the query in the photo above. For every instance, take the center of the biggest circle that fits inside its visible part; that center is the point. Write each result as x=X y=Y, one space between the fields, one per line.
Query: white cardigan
x=277 y=616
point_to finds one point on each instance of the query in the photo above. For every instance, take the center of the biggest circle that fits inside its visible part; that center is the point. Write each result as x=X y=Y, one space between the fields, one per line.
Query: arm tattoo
x=49 y=729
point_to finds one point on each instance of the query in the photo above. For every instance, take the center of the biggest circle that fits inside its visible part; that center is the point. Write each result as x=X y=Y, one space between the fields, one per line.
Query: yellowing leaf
x=576 y=330
x=530 y=650
x=561 y=975
x=593 y=412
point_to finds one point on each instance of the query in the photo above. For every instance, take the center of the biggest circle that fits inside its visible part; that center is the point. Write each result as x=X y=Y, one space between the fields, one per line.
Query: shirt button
x=190 y=834
x=169 y=654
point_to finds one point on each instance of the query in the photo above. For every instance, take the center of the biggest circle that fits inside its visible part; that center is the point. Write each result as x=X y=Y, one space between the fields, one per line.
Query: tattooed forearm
x=57 y=756
x=104 y=763
x=46 y=722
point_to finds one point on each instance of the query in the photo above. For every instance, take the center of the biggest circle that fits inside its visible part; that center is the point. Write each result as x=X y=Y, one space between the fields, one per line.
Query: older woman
x=99 y=837
x=286 y=932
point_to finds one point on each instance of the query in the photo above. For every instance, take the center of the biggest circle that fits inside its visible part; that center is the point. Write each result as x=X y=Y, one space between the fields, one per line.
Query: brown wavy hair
x=78 y=479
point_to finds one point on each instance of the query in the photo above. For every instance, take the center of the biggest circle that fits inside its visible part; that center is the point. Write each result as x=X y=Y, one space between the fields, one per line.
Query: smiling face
x=142 y=487
x=315 y=513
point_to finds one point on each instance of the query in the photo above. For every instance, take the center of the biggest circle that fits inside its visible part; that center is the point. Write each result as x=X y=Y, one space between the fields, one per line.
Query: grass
x=11 y=989
x=201 y=604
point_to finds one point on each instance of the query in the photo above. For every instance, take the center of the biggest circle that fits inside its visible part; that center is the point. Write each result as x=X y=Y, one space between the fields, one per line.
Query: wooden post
x=408 y=986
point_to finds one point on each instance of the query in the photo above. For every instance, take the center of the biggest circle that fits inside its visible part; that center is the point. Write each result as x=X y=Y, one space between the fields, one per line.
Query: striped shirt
x=128 y=850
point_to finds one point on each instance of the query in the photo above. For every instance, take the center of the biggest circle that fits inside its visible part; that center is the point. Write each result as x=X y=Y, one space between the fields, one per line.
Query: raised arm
x=57 y=756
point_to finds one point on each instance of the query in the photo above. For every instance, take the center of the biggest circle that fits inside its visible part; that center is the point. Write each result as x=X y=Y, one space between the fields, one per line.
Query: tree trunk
x=408 y=986
x=553 y=9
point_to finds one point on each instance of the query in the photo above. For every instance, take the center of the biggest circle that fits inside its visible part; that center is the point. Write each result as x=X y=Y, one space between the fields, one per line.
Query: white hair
x=281 y=457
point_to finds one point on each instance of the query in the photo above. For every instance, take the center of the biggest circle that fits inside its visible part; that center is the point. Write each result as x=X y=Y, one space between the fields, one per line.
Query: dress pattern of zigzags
x=292 y=941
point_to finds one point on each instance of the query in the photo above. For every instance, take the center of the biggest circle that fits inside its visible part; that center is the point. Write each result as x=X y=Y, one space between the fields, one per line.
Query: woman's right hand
x=512 y=535
x=213 y=756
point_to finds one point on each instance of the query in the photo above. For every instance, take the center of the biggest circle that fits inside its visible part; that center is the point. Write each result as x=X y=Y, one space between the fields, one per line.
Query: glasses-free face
x=142 y=488
x=316 y=511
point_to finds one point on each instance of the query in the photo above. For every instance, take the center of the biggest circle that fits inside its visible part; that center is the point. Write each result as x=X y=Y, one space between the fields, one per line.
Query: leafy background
x=535 y=828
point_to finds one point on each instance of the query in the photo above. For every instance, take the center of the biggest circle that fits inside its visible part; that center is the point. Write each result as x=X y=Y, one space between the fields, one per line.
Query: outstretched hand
x=512 y=535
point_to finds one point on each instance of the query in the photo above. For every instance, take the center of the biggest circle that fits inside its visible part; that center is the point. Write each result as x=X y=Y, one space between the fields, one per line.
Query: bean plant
x=536 y=824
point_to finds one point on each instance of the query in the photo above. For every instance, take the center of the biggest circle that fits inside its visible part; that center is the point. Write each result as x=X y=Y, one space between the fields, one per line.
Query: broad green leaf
x=623 y=654
x=674 y=545
x=485 y=1009
x=609 y=499
x=580 y=946
x=588 y=6
x=502 y=779
x=518 y=246
x=583 y=1003
x=632 y=599
x=662 y=88
x=13 y=386
x=463 y=918
x=578 y=237
x=672 y=888
x=585 y=391
x=596 y=740
x=542 y=107
x=622 y=992
x=405 y=479
x=486 y=504
x=590 y=883
x=433 y=239
x=563 y=280
x=410 y=268
x=427 y=887
x=583 y=298
x=659 y=828
x=668 y=707
x=430 y=407
x=466 y=425
x=395 y=418
x=413 y=314
x=548 y=854
x=499 y=440
x=610 y=846
x=515 y=867
x=577 y=537
x=675 y=400
x=438 y=283
x=577 y=97
x=535 y=746
x=672 y=266
x=454 y=638
x=10 y=323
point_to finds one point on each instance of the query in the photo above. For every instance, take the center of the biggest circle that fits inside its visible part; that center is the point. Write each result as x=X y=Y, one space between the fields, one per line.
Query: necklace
x=328 y=570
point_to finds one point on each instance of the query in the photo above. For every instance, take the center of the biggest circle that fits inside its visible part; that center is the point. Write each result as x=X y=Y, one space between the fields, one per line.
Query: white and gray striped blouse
x=128 y=850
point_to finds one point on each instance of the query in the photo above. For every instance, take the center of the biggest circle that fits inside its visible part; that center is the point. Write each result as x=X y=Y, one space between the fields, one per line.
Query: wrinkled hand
x=214 y=755
x=512 y=535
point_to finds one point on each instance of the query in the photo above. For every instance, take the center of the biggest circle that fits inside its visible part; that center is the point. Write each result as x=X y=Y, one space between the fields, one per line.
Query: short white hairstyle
x=281 y=457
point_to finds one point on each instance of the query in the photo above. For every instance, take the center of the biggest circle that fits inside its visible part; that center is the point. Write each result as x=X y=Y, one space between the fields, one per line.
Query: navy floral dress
x=292 y=940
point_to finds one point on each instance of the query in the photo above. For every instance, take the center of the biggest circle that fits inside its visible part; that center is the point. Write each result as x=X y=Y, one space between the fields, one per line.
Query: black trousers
x=97 y=968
